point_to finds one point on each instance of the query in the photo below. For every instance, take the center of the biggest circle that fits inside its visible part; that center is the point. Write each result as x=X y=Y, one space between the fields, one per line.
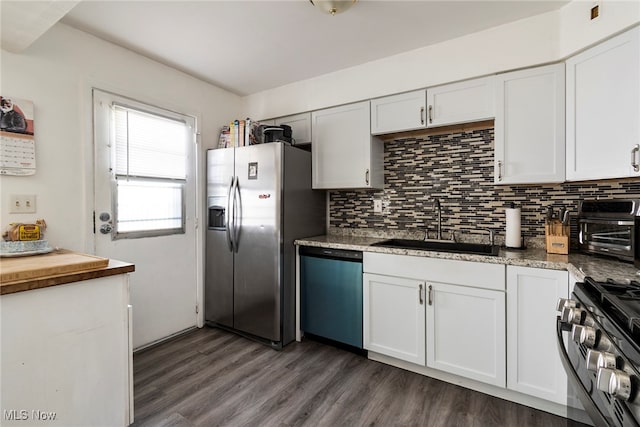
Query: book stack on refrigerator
x=239 y=133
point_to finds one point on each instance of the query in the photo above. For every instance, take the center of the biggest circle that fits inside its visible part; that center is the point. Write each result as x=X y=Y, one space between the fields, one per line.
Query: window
x=150 y=169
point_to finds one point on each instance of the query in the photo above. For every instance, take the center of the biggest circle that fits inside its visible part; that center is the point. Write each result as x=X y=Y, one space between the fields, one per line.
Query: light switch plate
x=22 y=203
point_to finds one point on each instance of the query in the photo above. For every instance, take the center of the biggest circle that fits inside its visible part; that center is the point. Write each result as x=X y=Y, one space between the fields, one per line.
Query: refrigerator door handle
x=237 y=214
x=229 y=216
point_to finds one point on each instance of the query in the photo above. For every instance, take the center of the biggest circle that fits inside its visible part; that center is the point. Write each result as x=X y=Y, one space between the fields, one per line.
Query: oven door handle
x=583 y=395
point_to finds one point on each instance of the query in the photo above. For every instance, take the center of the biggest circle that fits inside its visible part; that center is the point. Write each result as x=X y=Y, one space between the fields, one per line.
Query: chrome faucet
x=438 y=207
x=436 y=204
x=491 y=235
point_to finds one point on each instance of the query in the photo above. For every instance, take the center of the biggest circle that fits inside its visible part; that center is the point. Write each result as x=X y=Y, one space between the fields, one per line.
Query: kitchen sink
x=441 y=246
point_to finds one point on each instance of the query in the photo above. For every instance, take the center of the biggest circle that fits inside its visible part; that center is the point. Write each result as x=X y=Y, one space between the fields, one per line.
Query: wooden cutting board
x=60 y=261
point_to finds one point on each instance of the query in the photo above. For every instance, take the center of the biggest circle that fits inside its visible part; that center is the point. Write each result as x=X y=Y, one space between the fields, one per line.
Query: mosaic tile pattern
x=457 y=168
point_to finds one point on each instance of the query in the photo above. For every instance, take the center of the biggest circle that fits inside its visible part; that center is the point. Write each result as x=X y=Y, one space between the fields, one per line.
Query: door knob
x=105 y=228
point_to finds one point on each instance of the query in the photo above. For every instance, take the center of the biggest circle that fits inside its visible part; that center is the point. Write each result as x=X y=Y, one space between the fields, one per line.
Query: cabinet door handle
x=366 y=176
x=430 y=113
x=421 y=115
x=430 y=295
x=634 y=162
x=499 y=170
x=420 y=294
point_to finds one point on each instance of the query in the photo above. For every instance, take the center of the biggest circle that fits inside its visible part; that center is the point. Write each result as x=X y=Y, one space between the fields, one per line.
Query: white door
x=394 y=317
x=462 y=102
x=398 y=113
x=145 y=205
x=603 y=106
x=466 y=332
x=529 y=126
x=533 y=361
x=344 y=155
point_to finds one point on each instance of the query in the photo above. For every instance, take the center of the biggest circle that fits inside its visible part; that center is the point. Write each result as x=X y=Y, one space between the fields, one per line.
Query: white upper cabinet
x=603 y=98
x=398 y=113
x=529 y=126
x=450 y=104
x=468 y=101
x=533 y=361
x=300 y=127
x=344 y=154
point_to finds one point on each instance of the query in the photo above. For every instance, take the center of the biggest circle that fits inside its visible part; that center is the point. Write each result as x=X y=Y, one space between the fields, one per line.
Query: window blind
x=149 y=145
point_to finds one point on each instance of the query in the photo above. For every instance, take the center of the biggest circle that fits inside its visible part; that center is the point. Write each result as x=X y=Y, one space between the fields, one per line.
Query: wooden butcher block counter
x=61 y=266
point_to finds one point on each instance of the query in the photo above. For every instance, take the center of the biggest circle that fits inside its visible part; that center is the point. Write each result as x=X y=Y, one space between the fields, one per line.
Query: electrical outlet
x=377 y=206
x=22 y=203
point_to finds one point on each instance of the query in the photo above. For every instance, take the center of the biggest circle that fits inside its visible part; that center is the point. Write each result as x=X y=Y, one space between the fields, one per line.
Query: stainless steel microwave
x=610 y=227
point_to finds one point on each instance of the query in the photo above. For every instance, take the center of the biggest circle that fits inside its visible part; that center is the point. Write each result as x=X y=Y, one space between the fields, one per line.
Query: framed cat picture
x=17 y=144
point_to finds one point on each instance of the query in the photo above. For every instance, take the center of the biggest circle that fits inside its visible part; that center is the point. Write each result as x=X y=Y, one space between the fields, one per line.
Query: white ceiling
x=22 y=22
x=250 y=46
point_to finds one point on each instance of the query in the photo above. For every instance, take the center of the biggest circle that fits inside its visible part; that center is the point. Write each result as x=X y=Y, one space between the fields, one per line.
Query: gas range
x=601 y=352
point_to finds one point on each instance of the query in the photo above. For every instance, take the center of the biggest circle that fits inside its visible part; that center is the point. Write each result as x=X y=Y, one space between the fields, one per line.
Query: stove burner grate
x=620 y=302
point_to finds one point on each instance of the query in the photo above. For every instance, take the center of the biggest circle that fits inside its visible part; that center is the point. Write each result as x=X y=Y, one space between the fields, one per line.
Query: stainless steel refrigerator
x=259 y=201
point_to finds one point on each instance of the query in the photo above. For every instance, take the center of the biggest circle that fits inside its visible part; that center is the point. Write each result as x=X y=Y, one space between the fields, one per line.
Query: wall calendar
x=17 y=144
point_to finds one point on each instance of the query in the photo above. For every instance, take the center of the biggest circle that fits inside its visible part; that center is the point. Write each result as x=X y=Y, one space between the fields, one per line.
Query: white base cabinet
x=67 y=354
x=344 y=154
x=533 y=361
x=466 y=332
x=603 y=106
x=393 y=313
x=408 y=305
x=529 y=126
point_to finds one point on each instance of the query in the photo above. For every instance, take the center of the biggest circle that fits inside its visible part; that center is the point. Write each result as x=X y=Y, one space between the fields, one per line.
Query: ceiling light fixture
x=333 y=6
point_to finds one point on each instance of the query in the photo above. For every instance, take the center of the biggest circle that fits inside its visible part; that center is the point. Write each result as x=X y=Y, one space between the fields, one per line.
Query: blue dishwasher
x=331 y=294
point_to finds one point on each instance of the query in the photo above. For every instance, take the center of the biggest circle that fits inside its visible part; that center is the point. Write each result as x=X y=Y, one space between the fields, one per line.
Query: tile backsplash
x=457 y=168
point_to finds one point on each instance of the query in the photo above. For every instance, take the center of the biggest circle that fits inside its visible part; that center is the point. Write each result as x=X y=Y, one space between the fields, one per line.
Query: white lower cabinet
x=466 y=332
x=394 y=317
x=533 y=361
x=456 y=327
x=67 y=353
x=473 y=323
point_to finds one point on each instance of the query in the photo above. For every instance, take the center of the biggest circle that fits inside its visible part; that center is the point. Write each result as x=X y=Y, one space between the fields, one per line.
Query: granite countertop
x=579 y=265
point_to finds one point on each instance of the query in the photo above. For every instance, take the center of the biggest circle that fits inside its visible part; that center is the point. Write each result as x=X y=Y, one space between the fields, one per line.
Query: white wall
x=578 y=31
x=544 y=38
x=56 y=73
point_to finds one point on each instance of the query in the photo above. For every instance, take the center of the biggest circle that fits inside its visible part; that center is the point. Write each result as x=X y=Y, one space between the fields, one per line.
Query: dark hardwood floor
x=210 y=377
